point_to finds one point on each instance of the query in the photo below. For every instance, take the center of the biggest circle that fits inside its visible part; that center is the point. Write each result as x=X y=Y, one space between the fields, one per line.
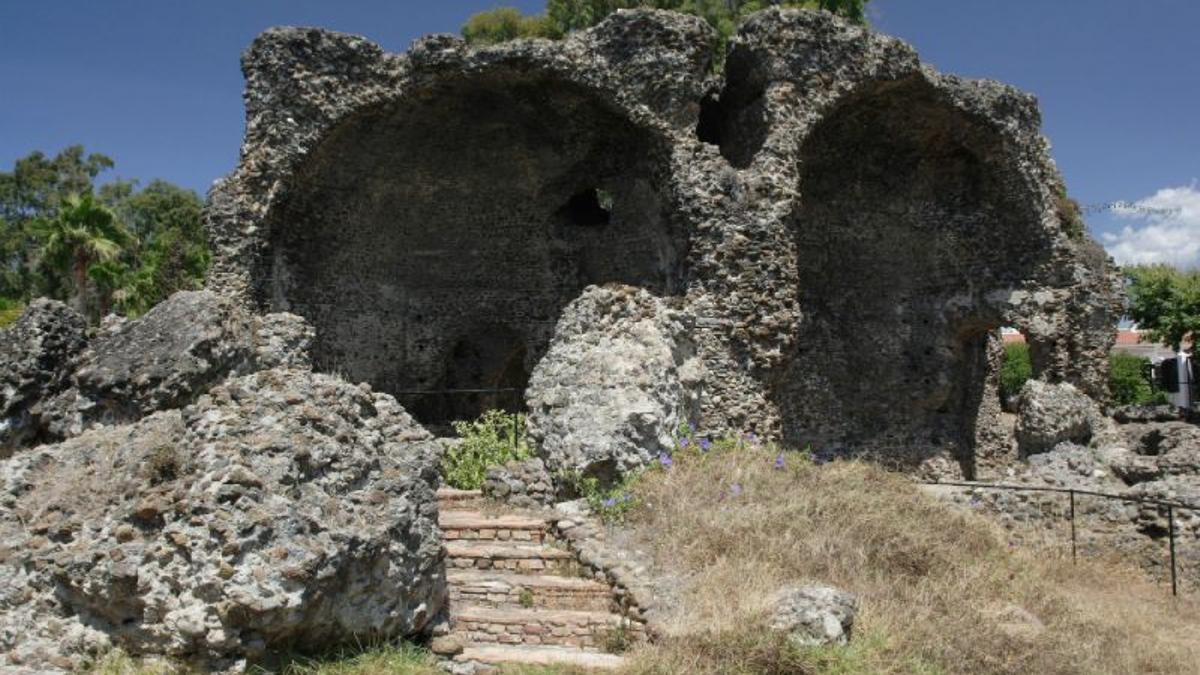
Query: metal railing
x=1071 y=493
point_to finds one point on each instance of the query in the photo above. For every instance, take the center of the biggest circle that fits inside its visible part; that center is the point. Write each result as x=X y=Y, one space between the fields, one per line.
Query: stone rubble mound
x=282 y=508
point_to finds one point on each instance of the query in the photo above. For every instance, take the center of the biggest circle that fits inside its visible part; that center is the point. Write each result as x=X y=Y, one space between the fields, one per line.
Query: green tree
x=1128 y=382
x=84 y=233
x=563 y=16
x=174 y=254
x=506 y=23
x=33 y=192
x=1165 y=301
x=1015 y=369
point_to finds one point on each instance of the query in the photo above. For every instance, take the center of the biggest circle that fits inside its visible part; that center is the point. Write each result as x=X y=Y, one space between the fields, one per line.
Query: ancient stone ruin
x=816 y=246
x=841 y=229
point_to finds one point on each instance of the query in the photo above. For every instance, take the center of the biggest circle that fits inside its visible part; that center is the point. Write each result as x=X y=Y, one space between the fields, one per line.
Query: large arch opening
x=433 y=242
x=909 y=218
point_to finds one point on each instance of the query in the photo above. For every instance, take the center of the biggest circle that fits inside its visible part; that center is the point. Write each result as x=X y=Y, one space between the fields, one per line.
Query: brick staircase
x=519 y=596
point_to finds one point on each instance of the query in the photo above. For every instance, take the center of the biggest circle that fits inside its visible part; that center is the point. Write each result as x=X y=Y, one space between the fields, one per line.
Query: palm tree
x=82 y=234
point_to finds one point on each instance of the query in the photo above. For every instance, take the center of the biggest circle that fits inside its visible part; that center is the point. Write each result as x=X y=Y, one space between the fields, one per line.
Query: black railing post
x=1171 y=544
x=516 y=420
x=1072 y=496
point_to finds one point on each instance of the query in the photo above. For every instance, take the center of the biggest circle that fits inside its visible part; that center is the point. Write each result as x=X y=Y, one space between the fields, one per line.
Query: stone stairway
x=519 y=596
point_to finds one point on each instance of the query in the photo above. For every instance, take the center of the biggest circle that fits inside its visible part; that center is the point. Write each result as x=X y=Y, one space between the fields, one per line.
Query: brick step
x=453 y=498
x=524 y=558
x=475 y=526
x=545 y=591
x=565 y=628
x=530 y=655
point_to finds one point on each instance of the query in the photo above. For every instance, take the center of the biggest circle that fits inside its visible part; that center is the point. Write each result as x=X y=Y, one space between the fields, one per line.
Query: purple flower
x=974 y=500
x=665 y=460
x=735 y=489
x=704 y=444
x=692 y=426
x=610 y=502
x=683 y=442
x=752 y=438
x=779 y=461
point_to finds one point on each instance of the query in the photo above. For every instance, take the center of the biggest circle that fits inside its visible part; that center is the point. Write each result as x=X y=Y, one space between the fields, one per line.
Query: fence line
x=1071 y=492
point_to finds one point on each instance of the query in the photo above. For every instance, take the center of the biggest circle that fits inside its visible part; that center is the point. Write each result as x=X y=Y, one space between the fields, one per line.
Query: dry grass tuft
x=941 y=591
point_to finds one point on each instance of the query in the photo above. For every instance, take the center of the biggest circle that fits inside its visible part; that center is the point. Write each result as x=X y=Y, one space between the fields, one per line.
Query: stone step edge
x=449 y=494
x=523 y=616
x=539 y=655
x=474 y=520
x=470 y=577
x=504 y=551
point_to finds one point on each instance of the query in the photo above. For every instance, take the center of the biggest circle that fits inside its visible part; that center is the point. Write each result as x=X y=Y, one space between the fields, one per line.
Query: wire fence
x=1072 y=495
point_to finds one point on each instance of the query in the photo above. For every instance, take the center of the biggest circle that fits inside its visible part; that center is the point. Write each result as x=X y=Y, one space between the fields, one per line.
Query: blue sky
x=156 y=85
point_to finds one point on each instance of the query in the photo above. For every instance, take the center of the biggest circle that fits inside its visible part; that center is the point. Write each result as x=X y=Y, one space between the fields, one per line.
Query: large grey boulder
x=812 y=616
x=283 y=508
x=1049 y=414
x=164 y=359
x=620 y=377
x=37 y=354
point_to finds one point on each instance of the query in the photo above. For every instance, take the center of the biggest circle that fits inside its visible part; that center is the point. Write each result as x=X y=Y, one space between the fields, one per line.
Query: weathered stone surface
x=812 y=616
x=1049 y=414
x=282 y=508
x=164 y=359
x=282 y=340
x=524 y=483
x=848 y=227
x=37 y=355
x=619 y=379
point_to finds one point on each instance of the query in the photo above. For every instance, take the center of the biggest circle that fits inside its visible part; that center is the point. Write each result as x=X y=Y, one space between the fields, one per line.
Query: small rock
x=446 y=645
x=814 y=615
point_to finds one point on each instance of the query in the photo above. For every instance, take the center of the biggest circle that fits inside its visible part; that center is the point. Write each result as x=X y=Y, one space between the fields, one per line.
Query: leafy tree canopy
x=107 y=247
x=564 y=16
x=1165 y=301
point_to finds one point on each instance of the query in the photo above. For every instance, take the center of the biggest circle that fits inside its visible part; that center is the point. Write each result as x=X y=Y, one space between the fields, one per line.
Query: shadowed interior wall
x=433 y=242
x=904 y=229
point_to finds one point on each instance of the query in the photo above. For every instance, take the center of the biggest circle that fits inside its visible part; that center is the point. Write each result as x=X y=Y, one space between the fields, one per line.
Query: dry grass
x=935 y=584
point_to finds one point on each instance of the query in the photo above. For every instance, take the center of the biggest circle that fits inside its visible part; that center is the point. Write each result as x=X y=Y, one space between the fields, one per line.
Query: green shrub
x=611 y=504
x=491 y=440
x=9 y=311
x=504 y=24
x=1015 y=370
x=1127 y=382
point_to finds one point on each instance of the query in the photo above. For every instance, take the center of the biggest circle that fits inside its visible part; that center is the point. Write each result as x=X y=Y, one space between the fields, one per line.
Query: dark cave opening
x=434 y=241
x=898 y=250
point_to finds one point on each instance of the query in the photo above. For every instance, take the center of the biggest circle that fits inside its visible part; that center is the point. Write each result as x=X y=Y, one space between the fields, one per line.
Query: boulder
x=812 y=616
x=164 y=359
x=37 y=354
x=620 y=377
x=1049 y=414
x=283 y=508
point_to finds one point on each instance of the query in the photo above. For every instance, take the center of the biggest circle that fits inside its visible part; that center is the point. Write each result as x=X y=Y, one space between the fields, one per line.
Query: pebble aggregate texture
x=212 y=499
x=844 y=228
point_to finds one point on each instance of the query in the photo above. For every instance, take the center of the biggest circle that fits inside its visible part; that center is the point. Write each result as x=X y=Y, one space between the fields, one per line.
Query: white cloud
x=1167 y=229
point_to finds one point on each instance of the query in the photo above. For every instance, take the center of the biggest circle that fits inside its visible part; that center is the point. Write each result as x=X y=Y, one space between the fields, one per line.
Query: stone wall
x=847 y=226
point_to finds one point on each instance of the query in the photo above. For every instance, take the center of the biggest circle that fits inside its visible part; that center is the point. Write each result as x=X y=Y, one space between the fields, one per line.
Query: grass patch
x=938 y=587
x=403 y=659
